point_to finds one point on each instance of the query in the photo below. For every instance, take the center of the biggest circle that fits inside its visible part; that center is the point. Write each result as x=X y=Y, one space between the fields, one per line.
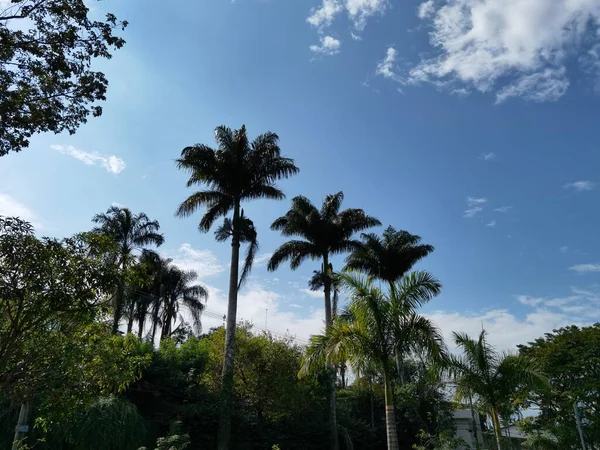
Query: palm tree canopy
x=322 y=232
x=370 y=328
x=235 y=171
x=493 y=376
x=180 y=290
x=387 y=257
x=130 y=231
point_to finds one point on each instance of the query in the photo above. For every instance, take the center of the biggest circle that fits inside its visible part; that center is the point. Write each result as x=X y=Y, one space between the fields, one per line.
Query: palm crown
x=494 y=377
x=388 y=257
x=325 y=232
x=179 y=290
x=235 y=171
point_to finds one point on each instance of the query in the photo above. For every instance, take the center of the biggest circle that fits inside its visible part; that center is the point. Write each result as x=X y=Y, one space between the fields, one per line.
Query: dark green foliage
x=570 y=357
x=46 y=51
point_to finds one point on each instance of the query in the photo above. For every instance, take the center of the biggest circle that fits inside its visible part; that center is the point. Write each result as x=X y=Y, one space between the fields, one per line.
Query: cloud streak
x=474 y=207
x=328 y=46
x=111 y=163
x=581 y=185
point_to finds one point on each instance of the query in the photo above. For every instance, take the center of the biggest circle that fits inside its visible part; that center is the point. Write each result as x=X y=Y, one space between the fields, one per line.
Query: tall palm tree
x=492 y=376
x=235 y=172
x=364 y=333
x=179 y=291
x=324 y=233
x=388 y=257
x=131 y=232
x=318 y=280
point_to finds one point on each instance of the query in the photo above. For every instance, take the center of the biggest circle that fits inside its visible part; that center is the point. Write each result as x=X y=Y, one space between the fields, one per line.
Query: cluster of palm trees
x=379 y=329
x=150 y=289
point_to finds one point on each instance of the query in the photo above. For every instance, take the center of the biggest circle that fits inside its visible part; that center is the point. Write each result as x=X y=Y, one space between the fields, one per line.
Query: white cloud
x=506 y=330
x=387 y=66
x=474 y=206
x=254 y=301
x=356 y=37
x=548 y=85
x=581 y=185
x=111 y=163
x=203 y=262
x=564 y=249
x=11 y=207
x=491 y=224
x=313 y=294
x=262 y=259
x=328 y=46
x=426 y=10
x=585 y=268
x=503 y=209
x=487 y=156
x=324 y=15
x=357 y=10
x=295 y=305
x=511 y=47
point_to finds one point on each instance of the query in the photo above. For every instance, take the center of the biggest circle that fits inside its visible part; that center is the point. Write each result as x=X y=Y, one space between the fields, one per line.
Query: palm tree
x=130 y=232
x=388 y=257
x=364 y=333
x=179 y=291
x=492 y=376
x=235 y=172
x=318 y=280
x=324 y=233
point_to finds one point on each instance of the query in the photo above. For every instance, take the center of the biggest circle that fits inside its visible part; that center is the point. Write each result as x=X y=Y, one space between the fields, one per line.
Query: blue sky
x=472 y=123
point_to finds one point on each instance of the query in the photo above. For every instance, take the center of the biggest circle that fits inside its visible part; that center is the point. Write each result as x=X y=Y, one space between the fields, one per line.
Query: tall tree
x=236 y=171
x=131 y=232
x=46 y=52
x=495 y=378
x=324 y=233
x=388 y=257
x=364 y=333
x=179 y=291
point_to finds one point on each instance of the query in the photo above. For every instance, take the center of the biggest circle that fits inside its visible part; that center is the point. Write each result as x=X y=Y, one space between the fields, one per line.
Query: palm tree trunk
x=130 y=319
x=156 y=311
x=497 y=430
x=118 y=312
x=390 y=414
x=141 y=323
x=334 y=442
x=399 y=366
x=224 y=439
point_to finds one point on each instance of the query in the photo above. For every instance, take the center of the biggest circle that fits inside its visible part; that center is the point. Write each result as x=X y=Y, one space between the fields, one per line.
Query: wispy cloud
x=203 y=262
x=358 y=11
x=328 y=46
x=503 y=209
x=512 y=49
x=491 y=224
x=582 y=268
x=564 y=249
x=426 y=10
x=387 y=66
x=111 y=163
x=487 y=156
x=474 y=206
x=581 y=185
x=11 y=207
x=313 y=294
x=262 y=259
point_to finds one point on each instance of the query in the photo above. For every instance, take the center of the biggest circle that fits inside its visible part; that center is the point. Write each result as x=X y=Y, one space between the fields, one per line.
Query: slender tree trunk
x=399 y=366
x=334 y=442
x=372 y=405
x=130 y=319
x=141 y=323
x=20 y=432
x=156 y=312
x=224 y=439
x=390 y=414
x=497 y=430
x=118 y=312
